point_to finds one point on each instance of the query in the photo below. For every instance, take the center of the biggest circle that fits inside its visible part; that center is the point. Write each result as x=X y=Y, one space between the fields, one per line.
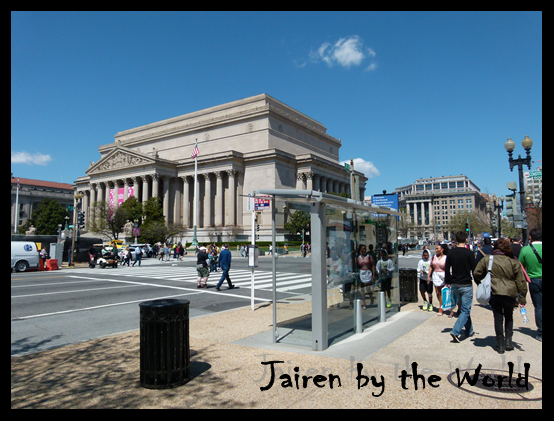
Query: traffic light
x=467 y=227
x=81 y=219
x=511 y=208
x=257 y=227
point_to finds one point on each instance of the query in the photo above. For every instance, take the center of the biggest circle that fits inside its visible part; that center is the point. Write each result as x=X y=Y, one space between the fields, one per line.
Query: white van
x=25 y=255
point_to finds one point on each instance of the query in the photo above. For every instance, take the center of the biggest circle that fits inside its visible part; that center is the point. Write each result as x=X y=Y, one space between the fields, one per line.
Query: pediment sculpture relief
x=121 y=160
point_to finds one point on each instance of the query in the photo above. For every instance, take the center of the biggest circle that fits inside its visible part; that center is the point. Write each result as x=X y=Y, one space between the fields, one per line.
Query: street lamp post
x=498 y=205
x=527 y=143
x=76 y=202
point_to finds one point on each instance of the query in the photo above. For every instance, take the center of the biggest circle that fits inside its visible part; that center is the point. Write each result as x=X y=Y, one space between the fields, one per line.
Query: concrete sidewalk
x=227 y=369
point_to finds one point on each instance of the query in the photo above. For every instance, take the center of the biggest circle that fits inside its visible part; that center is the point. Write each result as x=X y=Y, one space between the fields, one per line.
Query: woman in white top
x=366 y=267
x=436 y=273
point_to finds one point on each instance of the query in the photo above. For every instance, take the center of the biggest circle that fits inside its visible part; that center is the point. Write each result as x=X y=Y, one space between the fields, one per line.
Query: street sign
x=536 y=175
x=261 y=204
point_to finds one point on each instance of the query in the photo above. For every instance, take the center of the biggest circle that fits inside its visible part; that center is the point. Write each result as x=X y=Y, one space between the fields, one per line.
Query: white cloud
x=365 y=167
x=346 y=52
x=27 y=158
x=371 y=67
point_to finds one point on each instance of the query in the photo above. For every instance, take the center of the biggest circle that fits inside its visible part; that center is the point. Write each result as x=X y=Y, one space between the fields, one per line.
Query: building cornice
x=215 y=116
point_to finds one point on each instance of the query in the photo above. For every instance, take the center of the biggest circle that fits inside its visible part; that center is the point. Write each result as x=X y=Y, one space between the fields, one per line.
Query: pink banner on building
x=120 y=200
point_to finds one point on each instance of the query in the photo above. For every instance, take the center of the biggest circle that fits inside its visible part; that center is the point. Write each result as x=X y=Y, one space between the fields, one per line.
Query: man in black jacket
x=202 y=267
x=462 y=262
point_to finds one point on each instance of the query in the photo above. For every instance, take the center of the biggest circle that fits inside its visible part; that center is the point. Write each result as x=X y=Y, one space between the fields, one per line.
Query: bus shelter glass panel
x=294 y=294
x=362 y=260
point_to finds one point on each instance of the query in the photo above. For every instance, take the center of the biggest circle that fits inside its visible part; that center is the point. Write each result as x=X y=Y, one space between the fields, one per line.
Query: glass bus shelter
x=339 y=228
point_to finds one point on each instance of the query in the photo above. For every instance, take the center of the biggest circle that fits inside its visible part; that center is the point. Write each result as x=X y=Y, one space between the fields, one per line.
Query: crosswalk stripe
x=242 y=278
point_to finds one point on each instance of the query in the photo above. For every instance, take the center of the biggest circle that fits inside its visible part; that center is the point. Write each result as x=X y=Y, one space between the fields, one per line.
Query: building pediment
x=119 y=158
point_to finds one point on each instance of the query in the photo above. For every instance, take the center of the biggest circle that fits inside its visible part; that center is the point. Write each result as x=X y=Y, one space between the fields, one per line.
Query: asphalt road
x=54 y=309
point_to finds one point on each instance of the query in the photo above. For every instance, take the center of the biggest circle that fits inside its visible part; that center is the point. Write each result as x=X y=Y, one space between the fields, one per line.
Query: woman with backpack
x=507 y=284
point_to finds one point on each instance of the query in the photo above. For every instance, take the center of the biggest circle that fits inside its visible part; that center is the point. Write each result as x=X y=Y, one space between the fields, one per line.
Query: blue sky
x=411 y=94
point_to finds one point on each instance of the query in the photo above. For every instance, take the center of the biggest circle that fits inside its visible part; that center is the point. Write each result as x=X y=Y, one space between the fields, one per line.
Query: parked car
x=146 y=250
x=25 y=255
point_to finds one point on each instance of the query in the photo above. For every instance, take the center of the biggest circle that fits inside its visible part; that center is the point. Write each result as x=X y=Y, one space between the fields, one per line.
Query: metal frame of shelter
x=317 y=201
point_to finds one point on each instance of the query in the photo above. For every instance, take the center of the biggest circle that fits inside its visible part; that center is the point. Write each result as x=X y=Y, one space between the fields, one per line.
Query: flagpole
x=194 y=239
x=16 y=208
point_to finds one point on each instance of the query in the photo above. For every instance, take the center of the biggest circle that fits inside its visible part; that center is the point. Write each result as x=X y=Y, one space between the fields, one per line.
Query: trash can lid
x=167 y=302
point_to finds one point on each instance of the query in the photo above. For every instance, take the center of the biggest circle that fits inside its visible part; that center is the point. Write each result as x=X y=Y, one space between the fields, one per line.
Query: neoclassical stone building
x=254 y=143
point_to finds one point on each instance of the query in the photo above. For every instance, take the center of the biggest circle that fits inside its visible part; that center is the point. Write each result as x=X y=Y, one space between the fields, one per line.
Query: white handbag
x=483 y=294
x=366 y=276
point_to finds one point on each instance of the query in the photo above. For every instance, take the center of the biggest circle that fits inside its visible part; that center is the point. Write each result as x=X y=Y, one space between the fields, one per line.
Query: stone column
x=125 y=189
x=107 y=191
x=84 y=207
x=93 y=200
x=93 y=188
x=300 y=181
x=207 y=200
x=177 y=218
x=316 y=179
x=155 y=187
x=310 y=180
x=186 y=203
x=232 y=197
x=136 y=187
x=166 y=199
x=115 y=193
x=145 y=189
x=219 y=199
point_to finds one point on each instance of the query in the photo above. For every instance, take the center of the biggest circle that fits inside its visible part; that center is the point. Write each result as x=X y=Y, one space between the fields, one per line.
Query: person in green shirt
x=531 y=259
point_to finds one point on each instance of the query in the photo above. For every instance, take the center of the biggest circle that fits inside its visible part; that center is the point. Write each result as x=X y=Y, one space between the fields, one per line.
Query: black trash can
x=164 y=343
x=408 y=285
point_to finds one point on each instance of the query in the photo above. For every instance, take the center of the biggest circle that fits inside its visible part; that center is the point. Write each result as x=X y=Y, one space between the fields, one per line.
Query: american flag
x=194 y=152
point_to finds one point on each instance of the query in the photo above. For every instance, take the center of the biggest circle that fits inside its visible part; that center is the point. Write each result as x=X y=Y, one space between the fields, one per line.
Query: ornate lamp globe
x=510 y=145
x=527 y=143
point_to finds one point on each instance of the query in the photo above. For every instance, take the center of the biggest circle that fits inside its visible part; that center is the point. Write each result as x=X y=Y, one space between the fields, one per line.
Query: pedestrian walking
x=366 y=268
x=385 y=269
x=43 y=256
x=460 y=264
x=126 y=257
x=138 y=256
x=507 y=284
x=213 y=260
x=225 y=264
x=531 y=259
x=436 y=275
x=202 y=267
x=486 y=250
x=425 y=286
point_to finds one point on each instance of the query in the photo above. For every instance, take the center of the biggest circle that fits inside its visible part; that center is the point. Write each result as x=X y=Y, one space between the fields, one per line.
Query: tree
x=152 y=210
x=132 y=209
x=299 y=220
x=106 y=221
x=46 y=217
x=158 y=232
x=477 y=223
